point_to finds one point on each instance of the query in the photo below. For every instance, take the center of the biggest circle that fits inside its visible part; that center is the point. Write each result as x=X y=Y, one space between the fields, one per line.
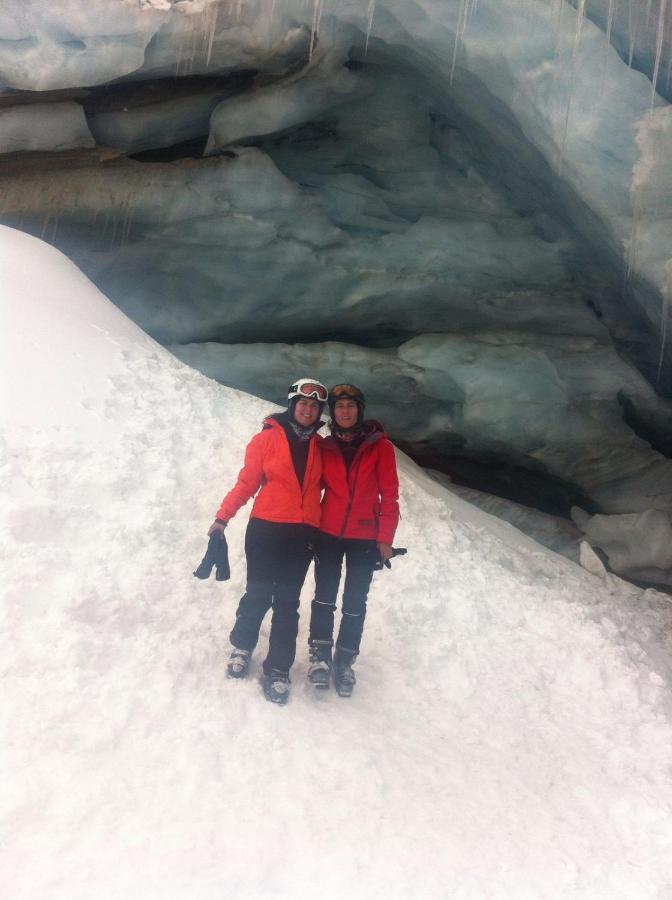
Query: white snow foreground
x=509 y=735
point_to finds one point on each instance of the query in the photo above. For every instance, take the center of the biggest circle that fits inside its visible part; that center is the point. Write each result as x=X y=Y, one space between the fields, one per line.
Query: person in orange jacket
x=360 y=513
x=284 y=460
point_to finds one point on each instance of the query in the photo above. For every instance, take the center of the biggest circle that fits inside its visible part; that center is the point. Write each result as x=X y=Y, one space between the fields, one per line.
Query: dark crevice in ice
x=125 y=95
x=495 y=475
x=192 y=149
x=660 y=442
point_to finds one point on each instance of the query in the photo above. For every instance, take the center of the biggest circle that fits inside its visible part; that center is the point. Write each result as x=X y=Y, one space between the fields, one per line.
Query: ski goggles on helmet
x=346 y=392
x=308 y=388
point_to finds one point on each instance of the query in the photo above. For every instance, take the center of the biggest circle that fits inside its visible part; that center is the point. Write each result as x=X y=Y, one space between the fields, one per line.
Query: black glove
x=396 y=551
x=216 y=555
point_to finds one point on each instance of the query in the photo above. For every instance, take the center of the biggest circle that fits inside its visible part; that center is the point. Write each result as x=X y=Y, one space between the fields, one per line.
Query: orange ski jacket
x=268 y=465
x=363 y=502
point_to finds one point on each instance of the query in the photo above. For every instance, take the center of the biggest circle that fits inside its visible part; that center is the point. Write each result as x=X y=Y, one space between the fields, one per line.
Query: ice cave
x=462 y=206
x=465 y=206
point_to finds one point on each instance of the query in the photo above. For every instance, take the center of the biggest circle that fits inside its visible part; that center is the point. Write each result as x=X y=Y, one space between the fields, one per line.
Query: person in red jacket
x=360 y=512
x=284 y=461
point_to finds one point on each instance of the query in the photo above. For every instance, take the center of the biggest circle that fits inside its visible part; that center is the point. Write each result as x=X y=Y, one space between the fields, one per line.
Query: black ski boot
x=344 y=677
x=276 y=687
x=319 y=670
x=239 y=662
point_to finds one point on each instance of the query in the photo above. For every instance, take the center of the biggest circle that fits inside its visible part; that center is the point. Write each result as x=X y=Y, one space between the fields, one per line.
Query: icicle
x=211 y=15
x=580 y=15
x=632 y=33
x=313 y=31
x=631 y=255
x=665 y=313
x=126 y=221
x=45 y=225
x=558 y=24
x=607 y=46
x=459 y=31
x=610 y=19
x=659 y=48
x=369 y=24
x=192 y=55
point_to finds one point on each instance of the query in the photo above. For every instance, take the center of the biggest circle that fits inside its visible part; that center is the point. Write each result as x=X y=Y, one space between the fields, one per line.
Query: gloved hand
x=218 y=525
x=385 y=551
x=396 y=551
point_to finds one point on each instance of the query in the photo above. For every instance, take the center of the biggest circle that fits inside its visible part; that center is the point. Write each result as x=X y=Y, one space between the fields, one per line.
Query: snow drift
x=510 y=734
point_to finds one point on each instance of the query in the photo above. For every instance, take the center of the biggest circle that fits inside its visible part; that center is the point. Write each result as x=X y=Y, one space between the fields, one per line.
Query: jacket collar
x=373 y=432
x=276 y=420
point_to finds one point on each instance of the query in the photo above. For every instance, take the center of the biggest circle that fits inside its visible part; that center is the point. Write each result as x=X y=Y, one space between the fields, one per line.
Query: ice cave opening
x=465 y=207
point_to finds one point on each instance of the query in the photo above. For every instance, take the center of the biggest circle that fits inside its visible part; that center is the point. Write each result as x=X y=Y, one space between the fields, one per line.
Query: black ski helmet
x=347 y=392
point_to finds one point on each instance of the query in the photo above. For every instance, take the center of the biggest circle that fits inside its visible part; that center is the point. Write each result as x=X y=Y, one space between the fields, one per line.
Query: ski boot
x=319 y=670
x=276 y=687
x=344 y=677
x=239 y=662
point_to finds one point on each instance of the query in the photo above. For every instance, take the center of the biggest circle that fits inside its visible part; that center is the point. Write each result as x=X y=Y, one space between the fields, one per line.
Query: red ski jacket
x=362 y=503
x=268 y=464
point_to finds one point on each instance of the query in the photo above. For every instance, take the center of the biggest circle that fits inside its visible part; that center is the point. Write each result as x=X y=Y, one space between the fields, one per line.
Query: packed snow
x=510 y=732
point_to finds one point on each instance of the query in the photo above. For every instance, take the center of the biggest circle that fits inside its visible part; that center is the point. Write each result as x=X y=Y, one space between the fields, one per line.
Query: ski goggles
x=306 y=387
x=345 y=392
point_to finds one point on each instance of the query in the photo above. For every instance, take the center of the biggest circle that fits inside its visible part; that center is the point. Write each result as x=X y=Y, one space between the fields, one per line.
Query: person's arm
x=388 y=487
x=248 y=483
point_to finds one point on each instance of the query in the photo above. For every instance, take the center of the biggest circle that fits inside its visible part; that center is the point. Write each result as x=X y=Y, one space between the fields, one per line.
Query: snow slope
x=510 y=733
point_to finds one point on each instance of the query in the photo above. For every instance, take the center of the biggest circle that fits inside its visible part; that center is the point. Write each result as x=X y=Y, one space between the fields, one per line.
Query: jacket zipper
x=357 y=461
x=302 y=487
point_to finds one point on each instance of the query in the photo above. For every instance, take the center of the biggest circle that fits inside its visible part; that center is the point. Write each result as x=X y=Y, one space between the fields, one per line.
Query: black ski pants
x=278 y=555
x=360 y=558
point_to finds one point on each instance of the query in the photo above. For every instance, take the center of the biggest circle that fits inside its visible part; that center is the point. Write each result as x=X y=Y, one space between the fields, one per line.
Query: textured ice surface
x=570 y=93
x=314 y=92
x=43 y=126
x=238 y=249
x=45 y=46
x=507 y=395
x=155 y=125
x=641 y=32
x=638 y=545
x=571 y=96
